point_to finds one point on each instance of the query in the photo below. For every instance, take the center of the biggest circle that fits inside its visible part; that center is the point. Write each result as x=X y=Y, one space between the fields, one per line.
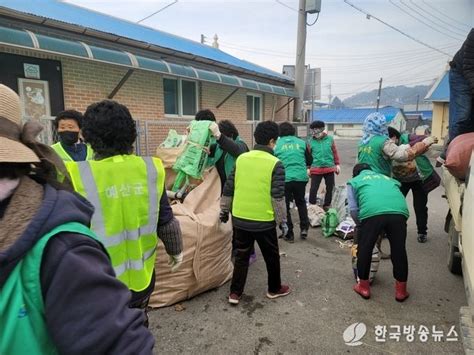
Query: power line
x=392 y=82
x=387 y=62
x=285 y=5
x=420 y=20
x=430 y=20
x=463 y=30
x=316 y=20
x=449 y=17
x=382 y=68
x=158 y=11
x=338 y=56
x=369 y=16
x=405 y=72
x=367 y=61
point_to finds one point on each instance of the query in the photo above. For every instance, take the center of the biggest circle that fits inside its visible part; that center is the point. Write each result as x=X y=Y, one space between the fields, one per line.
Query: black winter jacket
x=229 y=146
x=463 y=60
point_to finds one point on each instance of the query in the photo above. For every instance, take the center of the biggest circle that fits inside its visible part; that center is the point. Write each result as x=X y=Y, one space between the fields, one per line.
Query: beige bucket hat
x=12 y=150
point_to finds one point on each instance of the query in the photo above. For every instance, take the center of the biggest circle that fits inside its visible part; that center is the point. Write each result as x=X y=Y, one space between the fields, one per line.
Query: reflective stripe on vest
x=58 y=148
x=135 y=271
x=253 y=182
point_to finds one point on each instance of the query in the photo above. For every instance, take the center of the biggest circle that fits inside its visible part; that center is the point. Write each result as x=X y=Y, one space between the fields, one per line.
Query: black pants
x=141 y=299
x=329 y=180
x=420 y=201
x=395 y=227
x=295 y=190
x=268 y=244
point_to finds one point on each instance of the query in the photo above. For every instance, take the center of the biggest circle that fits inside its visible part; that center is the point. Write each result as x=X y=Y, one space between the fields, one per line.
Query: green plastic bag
x=329 y=222
x=173 y=140
x=193 y=160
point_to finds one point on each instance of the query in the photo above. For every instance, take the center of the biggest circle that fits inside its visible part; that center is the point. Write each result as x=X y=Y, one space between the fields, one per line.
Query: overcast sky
x=352 y=51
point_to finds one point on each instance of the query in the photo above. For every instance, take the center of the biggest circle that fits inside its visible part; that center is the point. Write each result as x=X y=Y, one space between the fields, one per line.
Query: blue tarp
x=80 y=16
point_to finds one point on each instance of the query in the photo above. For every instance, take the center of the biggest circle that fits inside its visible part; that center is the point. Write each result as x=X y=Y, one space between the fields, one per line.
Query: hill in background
x=397 y=96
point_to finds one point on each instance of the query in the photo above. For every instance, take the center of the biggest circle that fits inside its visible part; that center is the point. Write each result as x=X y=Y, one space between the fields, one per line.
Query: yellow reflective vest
x=253 y=182
x=58 y=148
x=125 y=191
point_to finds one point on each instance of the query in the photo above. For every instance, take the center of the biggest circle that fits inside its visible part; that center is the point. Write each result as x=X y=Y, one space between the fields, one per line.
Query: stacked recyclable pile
x=207 y=242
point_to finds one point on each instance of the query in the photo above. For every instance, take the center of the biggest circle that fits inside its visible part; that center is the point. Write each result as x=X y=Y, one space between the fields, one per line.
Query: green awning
x=30 y=40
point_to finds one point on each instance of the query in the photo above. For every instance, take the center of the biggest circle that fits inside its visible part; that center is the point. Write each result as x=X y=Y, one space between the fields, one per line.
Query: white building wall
x=345 y=130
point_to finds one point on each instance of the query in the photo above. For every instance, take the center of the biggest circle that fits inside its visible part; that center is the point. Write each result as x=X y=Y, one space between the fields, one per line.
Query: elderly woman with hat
x=58 y=289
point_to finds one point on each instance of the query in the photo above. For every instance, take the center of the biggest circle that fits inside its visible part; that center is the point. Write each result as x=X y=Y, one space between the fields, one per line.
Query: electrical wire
x=420 y=20
x=156 y=12
x=338 y=56
x=316 y=20
x=287 y=6
x=396 y=29
x=463 y=30
x=367 y=60
x=460 y=35
x=449 y=17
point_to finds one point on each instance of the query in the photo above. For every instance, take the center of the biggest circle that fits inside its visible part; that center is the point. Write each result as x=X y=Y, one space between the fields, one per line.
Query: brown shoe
x=284 y=291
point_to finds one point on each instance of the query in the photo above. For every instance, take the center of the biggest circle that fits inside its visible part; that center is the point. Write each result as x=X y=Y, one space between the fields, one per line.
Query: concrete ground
x=322 y=305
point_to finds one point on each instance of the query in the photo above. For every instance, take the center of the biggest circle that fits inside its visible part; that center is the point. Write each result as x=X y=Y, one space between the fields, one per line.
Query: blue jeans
x=461 y=118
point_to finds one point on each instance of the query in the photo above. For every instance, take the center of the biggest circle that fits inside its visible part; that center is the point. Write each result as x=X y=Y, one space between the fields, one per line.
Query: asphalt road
x=322 y=305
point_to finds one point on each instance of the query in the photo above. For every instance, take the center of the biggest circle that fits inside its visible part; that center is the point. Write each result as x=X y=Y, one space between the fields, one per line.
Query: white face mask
x=7 y=186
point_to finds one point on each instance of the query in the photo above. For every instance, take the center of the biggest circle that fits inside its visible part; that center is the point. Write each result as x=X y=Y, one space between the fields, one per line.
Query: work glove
x=338 y=169
x=175 y=261
x=428 y=141
x=214 y=128
x=284 y=229
x=224 y=216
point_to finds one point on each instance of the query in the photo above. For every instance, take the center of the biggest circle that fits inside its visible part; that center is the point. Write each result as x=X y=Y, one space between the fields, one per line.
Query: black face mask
x=68 y=137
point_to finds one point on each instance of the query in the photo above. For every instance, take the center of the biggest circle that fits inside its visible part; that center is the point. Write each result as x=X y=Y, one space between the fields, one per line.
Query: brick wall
x=86 y=82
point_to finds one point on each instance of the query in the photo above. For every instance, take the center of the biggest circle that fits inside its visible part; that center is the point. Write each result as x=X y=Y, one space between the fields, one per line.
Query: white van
x=460 y=228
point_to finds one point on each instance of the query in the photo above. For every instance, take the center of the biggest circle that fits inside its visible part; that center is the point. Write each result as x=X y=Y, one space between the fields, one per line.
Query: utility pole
x=203 y=39
x=417 y=101
x=330 y=95
x=300 y=60
x=378 y=94
x=312 y=94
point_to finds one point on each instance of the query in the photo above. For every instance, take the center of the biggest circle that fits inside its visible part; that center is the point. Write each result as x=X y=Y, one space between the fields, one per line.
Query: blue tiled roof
x=352 y=115
x=425 y=114
x=440 y=90
x=79 y=16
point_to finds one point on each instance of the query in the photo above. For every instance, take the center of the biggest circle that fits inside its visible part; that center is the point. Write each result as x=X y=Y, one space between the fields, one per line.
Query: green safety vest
x=291 y=151
x=229 y=160
x=378 y=194
x=126 y=191
x=423 y=164
x=58 y=148
x=321 y=149
x=22 y=318
x=253 y=183
x=372 y=154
